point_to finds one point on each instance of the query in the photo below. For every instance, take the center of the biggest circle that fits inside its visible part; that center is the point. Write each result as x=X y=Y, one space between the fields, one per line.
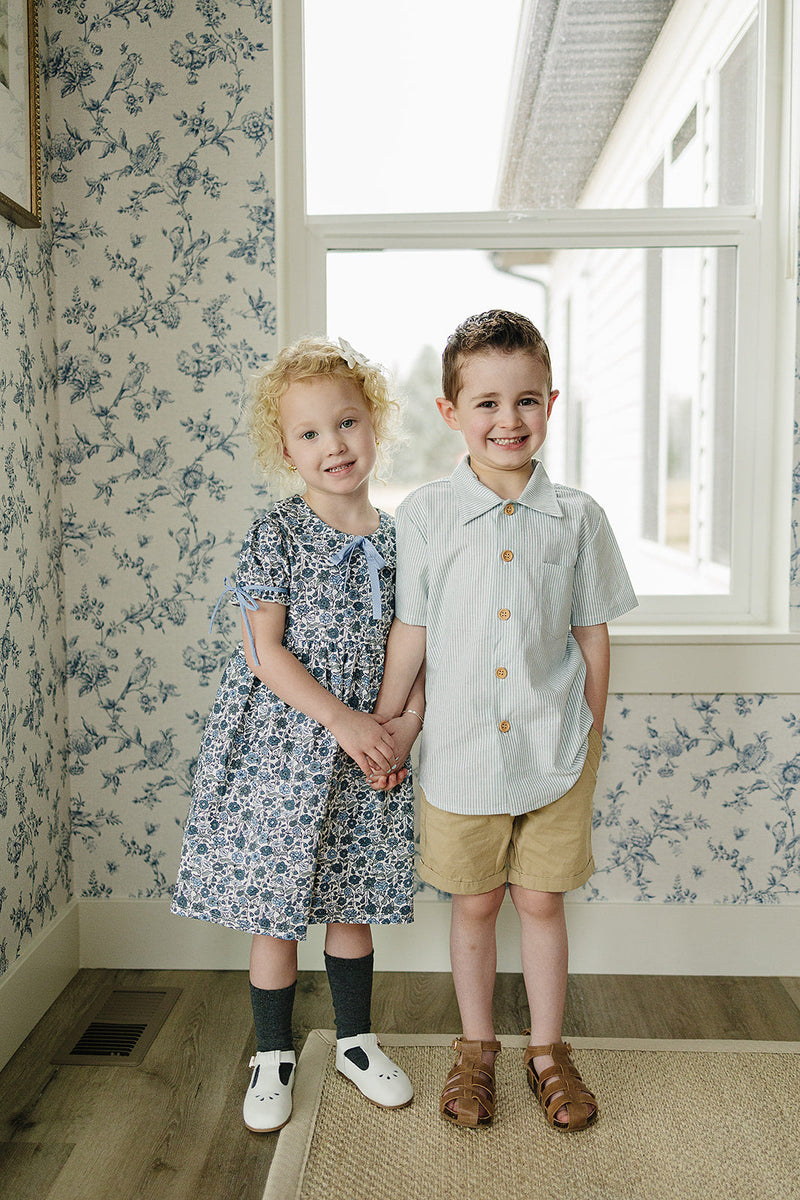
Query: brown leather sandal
x=470 y=1084
x=561 y=1087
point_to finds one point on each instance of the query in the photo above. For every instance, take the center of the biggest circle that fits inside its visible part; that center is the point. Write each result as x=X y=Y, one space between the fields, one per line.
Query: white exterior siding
x=670 y=118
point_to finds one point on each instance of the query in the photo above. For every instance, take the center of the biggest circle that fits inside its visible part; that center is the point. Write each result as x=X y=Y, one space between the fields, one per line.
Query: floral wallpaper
x=35 y=882
x=130 y=324
x=698 y=800
x=160 y=155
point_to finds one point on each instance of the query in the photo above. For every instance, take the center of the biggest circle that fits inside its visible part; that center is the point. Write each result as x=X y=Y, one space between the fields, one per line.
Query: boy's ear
x=551 y=402
x=448 y=412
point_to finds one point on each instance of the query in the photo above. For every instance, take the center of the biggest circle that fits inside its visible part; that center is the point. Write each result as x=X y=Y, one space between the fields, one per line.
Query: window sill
x=691 y=659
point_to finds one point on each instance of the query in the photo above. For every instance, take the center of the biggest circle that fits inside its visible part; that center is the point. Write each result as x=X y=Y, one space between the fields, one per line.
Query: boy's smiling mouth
x=516 y=441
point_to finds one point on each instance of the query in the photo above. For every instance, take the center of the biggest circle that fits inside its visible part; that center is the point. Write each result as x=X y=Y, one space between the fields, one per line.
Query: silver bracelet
x=414 y=713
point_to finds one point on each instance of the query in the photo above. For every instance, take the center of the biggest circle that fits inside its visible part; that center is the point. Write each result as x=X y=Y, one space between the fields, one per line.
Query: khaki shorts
x=547 y=850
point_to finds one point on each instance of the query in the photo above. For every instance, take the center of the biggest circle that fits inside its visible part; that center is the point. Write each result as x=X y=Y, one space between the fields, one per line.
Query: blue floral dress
x=283 y=830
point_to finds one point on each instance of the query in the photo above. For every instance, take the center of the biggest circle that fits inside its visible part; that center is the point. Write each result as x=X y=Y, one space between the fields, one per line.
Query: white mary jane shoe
x=268 y=1102
x=375 y=1075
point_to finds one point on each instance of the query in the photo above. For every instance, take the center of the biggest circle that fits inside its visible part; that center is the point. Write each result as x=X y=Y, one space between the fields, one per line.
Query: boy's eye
x=486 y=404
x=528 y=400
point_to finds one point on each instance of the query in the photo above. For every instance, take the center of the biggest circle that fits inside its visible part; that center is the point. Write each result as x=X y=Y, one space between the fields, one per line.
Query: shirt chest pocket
x=555 y=599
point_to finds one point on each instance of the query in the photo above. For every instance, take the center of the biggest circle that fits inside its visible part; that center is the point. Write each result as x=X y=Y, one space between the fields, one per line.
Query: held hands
x=366 y=740
x=403 y=730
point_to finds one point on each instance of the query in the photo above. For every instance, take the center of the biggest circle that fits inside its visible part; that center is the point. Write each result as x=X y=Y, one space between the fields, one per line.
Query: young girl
x=284 y=829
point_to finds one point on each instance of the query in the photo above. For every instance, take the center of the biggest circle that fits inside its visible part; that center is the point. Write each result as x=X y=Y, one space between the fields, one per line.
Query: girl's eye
x=308 y=435
x=348 y=423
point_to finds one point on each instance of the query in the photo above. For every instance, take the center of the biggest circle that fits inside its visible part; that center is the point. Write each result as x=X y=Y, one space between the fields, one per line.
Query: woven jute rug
x=678 y=1121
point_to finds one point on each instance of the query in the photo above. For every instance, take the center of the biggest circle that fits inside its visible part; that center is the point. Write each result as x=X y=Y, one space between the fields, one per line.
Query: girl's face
x=328 y=436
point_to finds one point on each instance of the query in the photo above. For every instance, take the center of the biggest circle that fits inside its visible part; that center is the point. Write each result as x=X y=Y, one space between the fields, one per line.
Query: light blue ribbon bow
x=246 y=604
x=374 y=563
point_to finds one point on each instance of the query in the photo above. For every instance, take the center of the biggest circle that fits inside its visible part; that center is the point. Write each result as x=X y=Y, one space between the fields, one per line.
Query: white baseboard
x=605 y=939
x=617 y=939
x=37 y=978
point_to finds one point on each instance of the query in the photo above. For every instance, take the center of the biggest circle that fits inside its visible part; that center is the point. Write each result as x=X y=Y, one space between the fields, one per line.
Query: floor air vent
x=119 y=1029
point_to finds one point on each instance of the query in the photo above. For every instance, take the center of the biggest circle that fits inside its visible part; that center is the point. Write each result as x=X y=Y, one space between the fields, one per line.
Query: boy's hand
x=366 y=740
x=404 y=730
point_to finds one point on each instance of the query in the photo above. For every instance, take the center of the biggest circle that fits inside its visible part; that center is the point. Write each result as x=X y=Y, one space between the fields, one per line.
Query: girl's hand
x=404 y=730
x=366 y=741
x=381 y=782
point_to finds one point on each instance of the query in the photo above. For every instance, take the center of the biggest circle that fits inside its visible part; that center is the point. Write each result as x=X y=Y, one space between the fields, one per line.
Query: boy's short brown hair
x=496 y=329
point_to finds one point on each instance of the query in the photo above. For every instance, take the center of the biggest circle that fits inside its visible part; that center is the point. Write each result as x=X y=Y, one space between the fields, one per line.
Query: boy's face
x=501 y=409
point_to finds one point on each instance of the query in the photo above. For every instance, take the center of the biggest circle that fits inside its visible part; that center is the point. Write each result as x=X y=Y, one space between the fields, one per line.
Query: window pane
x=433 y=106
x=405 y=103
x=737 y=126
x=399 y=307
x=643 y=349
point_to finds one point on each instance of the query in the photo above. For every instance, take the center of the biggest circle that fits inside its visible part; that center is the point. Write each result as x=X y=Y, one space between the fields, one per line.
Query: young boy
x=505 y=581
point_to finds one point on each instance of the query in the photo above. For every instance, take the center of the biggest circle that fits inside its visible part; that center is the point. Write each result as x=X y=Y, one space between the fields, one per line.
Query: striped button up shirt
x=498 y=583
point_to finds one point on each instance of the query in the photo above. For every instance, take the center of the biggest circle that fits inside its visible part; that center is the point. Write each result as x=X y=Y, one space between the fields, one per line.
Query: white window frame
x=765 y=238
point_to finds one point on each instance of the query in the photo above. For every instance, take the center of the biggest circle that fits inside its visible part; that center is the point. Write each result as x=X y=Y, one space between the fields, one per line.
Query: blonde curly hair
x=312 y=358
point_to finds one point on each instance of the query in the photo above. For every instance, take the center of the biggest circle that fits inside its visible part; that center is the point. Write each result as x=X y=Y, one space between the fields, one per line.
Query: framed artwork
x=20 y=151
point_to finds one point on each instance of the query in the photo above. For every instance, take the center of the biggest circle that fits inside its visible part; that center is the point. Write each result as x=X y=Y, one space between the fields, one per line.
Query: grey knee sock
x=351 y=991
x=272 y=1015
x=350 y=981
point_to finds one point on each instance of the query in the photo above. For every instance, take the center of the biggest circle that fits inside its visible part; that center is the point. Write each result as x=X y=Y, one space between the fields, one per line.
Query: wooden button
x=504 y=614
x=507 y=555
x=509 y=510
x=500 y=672
x=504 y=726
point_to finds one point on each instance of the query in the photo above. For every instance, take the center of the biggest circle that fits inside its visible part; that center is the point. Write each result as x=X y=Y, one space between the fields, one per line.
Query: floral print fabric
x=283 y=829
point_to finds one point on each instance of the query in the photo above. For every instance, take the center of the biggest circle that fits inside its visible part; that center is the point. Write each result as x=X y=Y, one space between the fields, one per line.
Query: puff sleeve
x=262 y=574
x=263 y=570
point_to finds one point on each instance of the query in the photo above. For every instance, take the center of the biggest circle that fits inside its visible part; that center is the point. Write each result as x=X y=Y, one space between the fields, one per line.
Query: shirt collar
x=475 y=499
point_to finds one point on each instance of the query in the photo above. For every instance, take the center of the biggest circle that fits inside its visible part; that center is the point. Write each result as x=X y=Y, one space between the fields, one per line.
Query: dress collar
x=475 y=499
x=305 y=514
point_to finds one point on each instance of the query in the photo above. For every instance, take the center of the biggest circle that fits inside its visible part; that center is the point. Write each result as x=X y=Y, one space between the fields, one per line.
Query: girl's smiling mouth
x=339 y=469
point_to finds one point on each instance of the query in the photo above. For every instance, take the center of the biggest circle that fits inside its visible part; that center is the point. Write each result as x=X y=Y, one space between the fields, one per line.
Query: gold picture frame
x=20 y=148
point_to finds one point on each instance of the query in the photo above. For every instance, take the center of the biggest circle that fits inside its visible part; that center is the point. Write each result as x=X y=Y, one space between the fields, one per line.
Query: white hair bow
x=351 y=356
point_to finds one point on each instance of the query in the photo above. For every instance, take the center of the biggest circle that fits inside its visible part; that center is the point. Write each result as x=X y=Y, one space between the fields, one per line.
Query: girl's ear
x=287 y=458
x=448 y=411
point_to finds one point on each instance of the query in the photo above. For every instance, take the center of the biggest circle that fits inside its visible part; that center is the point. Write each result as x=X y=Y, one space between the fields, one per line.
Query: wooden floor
x=171 y=1128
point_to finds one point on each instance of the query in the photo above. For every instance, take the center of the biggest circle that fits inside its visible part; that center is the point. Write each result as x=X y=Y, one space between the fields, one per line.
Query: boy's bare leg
x=473 y=959
x=545 y=957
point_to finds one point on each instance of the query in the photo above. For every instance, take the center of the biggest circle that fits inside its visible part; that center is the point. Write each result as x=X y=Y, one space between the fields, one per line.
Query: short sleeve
x=411 y=585
x=263 y=571
x=601 y=588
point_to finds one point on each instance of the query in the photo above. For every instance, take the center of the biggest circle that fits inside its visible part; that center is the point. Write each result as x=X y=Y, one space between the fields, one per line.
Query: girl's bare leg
x=273 y=962
x=348 y=941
